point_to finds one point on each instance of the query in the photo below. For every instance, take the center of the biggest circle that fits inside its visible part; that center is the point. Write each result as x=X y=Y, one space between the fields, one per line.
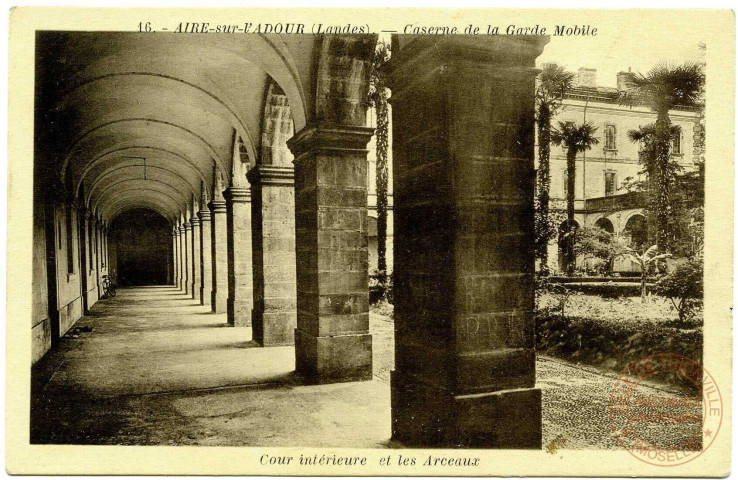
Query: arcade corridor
x=158 y=368
x=251 y=152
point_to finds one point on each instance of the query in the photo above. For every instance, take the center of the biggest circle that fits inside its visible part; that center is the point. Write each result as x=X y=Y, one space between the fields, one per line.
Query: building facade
x=601 y=197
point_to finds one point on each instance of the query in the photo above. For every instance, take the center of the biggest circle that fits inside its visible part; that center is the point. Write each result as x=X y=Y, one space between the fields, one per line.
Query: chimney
x=587 y=77
x=625 y=80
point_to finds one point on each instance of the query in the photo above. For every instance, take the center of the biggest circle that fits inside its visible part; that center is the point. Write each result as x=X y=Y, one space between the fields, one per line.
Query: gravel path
x=575 y=398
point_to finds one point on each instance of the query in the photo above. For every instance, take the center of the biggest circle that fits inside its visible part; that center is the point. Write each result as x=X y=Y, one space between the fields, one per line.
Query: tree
x=663 y=88
x=596 y=243
x=377 y=98
x=551 y=85
x=576 y=139
x=645 y=260
x=648 y=155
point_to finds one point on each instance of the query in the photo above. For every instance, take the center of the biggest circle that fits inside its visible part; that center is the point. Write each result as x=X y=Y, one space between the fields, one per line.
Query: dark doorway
x=140 y=248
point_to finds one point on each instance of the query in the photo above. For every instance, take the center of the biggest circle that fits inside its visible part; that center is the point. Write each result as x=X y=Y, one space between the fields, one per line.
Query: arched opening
x=605 y=224
x=140 y=248
x=637 y=230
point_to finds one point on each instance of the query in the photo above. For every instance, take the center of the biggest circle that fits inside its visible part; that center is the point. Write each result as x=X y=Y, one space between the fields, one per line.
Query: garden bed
x=612 y=333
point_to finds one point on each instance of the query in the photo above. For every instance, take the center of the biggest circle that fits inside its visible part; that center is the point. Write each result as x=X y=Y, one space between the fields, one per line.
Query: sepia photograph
x=316 y=237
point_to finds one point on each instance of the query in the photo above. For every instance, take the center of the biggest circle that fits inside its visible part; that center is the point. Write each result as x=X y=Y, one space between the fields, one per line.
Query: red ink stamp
x=660 y=425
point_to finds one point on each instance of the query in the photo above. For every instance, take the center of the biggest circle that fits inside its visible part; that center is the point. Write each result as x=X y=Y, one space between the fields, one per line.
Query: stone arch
x=636 y=228
x=605 y=224
x=277 y=127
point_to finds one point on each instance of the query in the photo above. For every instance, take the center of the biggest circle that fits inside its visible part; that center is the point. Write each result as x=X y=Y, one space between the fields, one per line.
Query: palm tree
x=551 y=85
x=646 y=136
x=663 y=88
x=576 y=139
x=377 y=98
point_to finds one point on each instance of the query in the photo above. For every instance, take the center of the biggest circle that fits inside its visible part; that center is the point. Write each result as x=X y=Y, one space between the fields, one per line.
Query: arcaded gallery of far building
x=601 y=199
x=235 y=168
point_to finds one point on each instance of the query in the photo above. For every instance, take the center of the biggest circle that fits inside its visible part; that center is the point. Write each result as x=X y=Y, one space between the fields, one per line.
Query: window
x=610 y=137
x=609 y=183
x=676 y=144
x=70 y=240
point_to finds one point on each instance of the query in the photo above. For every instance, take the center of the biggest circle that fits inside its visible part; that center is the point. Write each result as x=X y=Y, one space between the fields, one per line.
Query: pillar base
x=218 y=302
x=342 y=358
x=205 y=297
x=274 y=328
x=426 y=416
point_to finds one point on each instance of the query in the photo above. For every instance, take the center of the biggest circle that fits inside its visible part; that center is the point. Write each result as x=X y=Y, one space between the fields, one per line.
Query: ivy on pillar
x=463 y=116
x=332 y=340
x=206 y=267
x=218 y=248
x=273 y=220
x=196 y=283
x=240 y=272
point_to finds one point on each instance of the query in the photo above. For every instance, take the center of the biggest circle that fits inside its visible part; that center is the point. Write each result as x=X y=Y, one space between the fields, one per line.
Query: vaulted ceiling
x=127 y=120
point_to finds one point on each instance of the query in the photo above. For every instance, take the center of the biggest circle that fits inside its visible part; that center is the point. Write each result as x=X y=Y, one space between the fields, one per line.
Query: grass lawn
x=612 y=333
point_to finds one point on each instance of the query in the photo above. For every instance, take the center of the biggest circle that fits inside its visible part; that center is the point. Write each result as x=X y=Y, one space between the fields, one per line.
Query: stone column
x=218 y=251
x=175 y=255
x=206 y=258
x=332 y=341
x=273 y=220
x=195 y=265
x=182 y=271
x=463 y=113
x=96 y=249
x=187 y=264
x=240 y=280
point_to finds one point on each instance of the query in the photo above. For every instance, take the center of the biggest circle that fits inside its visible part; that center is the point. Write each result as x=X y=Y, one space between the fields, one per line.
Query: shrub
x=684 y=287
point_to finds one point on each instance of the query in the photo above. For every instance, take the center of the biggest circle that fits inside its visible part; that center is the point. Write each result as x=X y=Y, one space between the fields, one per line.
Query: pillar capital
x=237 y=195
x=329 y=138
x=204 y=215
x=217 y=206
x=188 y=226
x=271 y=175
x=194 y=221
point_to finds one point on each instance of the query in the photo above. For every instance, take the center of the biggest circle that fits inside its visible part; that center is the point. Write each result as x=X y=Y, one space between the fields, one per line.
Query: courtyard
x=153 y=367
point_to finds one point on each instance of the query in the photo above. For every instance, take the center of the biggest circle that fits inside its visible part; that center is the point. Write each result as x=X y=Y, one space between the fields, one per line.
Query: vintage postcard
x=391 y=242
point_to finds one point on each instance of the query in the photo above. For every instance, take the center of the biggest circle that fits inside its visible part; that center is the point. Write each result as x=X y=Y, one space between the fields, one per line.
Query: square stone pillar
x=219 y=254
x=181 y=258
x=463 y=117
x=273 y=244
x=175 y=255
x=187 y=258
x=195 y=268
x=240 y=272
x=98 y=263
x=206 y=257
x=332 y=341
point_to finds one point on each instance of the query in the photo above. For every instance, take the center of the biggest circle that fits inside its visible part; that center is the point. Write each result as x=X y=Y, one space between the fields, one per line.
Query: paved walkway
x=159 y=369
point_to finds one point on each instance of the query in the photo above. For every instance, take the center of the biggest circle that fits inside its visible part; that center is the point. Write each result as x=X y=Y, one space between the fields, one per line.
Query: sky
x=613 y=51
